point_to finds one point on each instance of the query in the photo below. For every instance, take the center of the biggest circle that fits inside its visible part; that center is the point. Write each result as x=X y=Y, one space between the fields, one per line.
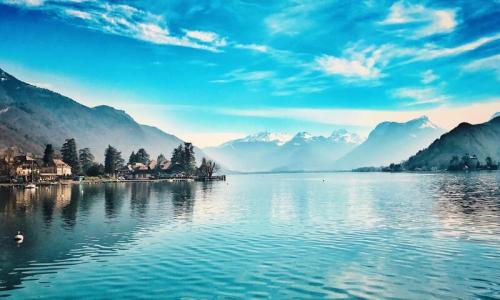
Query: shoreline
x=105 y=181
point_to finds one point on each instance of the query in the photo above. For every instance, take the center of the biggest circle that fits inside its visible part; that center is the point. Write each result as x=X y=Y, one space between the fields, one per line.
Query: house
x=53 y=170
x=138 y=170
x=25 y=166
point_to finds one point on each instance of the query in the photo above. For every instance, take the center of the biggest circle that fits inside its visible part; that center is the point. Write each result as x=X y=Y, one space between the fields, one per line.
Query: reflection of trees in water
x=139 y=199
x=183 y=199
x=113 y=199
x=69 y=211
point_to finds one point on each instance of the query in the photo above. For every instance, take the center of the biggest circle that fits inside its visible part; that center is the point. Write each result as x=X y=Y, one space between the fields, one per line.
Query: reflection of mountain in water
x=65 y=222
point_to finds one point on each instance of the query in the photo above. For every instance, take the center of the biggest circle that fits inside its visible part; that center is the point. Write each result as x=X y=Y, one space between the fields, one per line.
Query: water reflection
x=469 y=205
x=60 y=222
x=410 y=236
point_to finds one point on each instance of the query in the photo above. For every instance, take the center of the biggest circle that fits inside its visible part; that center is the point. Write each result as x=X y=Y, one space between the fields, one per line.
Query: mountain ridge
x=481 y=140
x=31 y=117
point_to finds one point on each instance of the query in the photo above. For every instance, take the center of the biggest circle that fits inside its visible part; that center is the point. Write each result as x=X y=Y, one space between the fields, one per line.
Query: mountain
x=305 y=152
x=31 y=117
x=278 y=152
x=252 y=153
x=391 y=142
x=482 y=140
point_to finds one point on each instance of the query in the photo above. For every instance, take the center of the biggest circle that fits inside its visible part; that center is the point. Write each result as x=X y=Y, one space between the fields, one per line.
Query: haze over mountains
x=342 y=150
x=31 y=117
x=267 y=151
x=391 y=142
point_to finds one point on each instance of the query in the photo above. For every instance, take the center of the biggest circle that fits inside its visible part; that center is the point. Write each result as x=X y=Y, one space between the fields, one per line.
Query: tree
x=95 y=170
x=188 y=159
x=112 y=160
x=48 y=154
x=132 y=158
x=86 y=159
x=142 y=156
x=183 y=160
x=203 y=169
x=207 y=168
x=161 y=158
x=176 y=160
x=70 y=155
x=212 y=168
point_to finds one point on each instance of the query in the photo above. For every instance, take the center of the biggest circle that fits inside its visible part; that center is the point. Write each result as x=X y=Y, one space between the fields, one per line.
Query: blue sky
x=208 y=71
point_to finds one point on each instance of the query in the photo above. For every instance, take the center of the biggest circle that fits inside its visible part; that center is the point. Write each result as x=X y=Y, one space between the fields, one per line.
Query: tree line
x=82 y=161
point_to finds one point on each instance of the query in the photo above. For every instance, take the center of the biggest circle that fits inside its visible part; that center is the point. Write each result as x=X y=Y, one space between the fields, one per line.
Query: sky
x=209 y=71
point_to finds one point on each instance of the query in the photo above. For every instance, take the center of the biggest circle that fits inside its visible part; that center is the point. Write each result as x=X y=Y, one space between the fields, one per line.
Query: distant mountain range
x=267 y=151
x=31 y=117
x=391 y=142
x=342 y=150
x=482 y=140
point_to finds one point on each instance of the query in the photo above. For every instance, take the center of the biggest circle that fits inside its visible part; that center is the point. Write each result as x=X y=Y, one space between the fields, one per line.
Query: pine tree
x=161 y=158
x=176 y=160
x=188 y=159
x=86 y=159
x=132 y=158
x=70 y=155
x=48 y=154
x=142 y=156
x=112 y=160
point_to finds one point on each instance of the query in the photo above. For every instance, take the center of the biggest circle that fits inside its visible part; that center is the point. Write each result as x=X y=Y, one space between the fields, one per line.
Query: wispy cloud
x=430 y=52
x=428 y=21
x=295 y=18
x=419 y=95
x=126 y=20
x=254 y=47
x=428 y=76
x=491 y=63
x=25 y=2
x=355 y=63
x=245 y=76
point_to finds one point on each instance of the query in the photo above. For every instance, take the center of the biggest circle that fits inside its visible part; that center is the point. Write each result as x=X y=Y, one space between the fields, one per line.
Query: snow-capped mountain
x=264 y=137
x=391 y=142
x=267 y=151
x=343 y=136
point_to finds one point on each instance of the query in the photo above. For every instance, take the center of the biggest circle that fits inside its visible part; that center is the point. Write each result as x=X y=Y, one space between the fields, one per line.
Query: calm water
x=411 y=236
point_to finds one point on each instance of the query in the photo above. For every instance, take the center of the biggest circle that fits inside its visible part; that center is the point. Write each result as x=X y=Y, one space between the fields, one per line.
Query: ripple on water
x=281 y=236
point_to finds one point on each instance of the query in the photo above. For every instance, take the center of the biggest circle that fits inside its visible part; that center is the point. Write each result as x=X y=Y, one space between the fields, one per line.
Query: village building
x=54 y=170
x=141 y=171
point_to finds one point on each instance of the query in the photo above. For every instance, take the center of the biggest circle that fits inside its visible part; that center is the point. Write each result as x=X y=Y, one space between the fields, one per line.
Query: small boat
x=19 y=237
x=30 y=186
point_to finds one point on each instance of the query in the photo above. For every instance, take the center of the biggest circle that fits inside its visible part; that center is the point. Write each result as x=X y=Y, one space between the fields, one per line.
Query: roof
x=59 y=163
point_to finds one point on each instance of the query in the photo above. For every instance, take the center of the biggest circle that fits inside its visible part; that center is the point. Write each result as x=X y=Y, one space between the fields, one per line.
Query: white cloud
x=429 y=21
x=254 y=47
x=443 y=116
x=246 y=76
x=294 y=19
x=26 y=2
x=364 y=64
x=428 y=77
x=419 y=95
x=431 y=52
x=79 y=14
x=128 y=21
x=206 y=37
x=491 y=63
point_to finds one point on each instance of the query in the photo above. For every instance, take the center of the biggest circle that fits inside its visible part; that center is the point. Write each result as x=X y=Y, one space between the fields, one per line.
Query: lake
x=280 y=236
